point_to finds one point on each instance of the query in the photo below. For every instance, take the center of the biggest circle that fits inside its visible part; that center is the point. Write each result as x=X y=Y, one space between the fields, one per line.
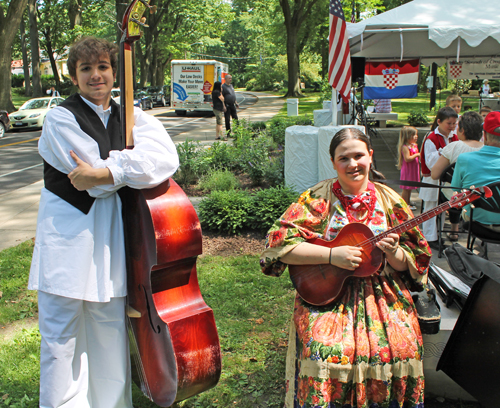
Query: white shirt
x=82 y=256
x=431 y=157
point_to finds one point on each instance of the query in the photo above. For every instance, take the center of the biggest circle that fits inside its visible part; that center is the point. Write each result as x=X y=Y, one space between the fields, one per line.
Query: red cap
x=492 y=123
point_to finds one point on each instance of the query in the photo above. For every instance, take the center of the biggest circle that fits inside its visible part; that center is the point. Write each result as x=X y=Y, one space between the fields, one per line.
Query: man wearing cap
x=481 y=168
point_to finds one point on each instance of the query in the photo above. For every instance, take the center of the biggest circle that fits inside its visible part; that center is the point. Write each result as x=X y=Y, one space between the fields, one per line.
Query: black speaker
x=358 y=69
x=471 y=357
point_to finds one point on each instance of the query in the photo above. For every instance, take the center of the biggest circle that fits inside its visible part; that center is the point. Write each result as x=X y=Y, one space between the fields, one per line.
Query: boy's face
x=95 y=80
x=484 y=114
x=447 y=126
x=456 y=106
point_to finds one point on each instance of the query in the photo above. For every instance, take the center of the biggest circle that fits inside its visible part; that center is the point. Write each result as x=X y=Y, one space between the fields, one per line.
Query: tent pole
x=434 y=68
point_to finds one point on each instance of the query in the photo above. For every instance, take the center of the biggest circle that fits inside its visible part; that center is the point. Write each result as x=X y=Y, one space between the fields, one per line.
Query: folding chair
x=446 y=177
x=478 y=230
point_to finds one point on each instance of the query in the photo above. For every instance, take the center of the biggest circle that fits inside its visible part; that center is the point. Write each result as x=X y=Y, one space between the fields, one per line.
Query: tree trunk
x=9 y=24
x=50 y=53
x=35 y=49
x=26 y=67
x=75 y=13
x=293 y=64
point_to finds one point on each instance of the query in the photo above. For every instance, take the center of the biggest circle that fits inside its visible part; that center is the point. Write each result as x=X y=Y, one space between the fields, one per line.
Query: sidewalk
x=19 y=208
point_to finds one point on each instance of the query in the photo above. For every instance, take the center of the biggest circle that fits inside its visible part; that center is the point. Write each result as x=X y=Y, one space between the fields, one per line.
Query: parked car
x=159 y=94
x=143 y=100
x=4 y=122
x=32 y=113
x=115 y=93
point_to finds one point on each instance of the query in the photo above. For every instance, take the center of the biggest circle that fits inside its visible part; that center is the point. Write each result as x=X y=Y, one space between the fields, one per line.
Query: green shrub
x=268 y=205
x=17 y=80
x=277 y=127
x=257 y=126
x=19 y=91
x=219 y=180
x=193 y=163
x=225 y=211
x=417 y=118
x=254 y=156
x=274 y=171
x=221 y=156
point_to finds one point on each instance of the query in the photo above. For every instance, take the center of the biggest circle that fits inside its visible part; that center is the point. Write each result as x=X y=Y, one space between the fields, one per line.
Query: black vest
x=107 y=138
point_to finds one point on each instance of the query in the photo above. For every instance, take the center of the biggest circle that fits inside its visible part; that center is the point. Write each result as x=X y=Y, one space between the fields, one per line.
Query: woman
x=365 y=347
x=218 y=106
x=470 y=132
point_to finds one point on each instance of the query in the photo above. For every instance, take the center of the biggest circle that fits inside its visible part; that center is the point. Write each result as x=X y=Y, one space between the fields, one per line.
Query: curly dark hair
x=90 y=49
x=472 y=125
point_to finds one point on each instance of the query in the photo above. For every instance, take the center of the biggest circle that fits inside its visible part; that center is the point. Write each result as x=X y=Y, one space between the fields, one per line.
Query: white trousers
x=84 y=361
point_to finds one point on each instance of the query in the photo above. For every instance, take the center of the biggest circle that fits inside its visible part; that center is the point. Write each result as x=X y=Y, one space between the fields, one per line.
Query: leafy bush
x=219 y=180
x=268 y=205
x=417 y=118
x=254 y=154
x=277 y=127
x=257 y=126
x=193 y=163
x=274 y=171
x=225 y=211
x=221 y=156
x=17 y=80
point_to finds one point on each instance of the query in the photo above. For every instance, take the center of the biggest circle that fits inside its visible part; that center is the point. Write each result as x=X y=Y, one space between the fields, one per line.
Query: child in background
x=408 y=160
x=484 y=111
x=442 y=133
x=455 y=103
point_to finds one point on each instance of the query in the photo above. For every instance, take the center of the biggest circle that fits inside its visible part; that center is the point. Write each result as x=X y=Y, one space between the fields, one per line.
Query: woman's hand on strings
x=389 y=244
x=346 y=257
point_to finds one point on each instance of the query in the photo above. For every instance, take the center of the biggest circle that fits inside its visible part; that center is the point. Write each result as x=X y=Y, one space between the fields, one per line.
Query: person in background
x=382 y=105
x=230 y=102
x=485 y=89
x=53 y=92
x=364 y=349
x=480 y=168
x=219 y=109
x=408 y=160
x=470 y=132
x=429 y=82
x=442 y=133
x=484 y=111
x=78 y=265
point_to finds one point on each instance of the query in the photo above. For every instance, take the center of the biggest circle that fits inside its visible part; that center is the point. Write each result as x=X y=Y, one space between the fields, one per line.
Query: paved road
x=21 y=165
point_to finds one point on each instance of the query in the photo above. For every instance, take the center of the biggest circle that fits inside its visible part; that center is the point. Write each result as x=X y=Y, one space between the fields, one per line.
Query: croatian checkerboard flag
x=391 y=80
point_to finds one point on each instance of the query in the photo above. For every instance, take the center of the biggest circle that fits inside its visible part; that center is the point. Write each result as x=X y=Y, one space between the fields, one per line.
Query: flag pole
x=334 y=107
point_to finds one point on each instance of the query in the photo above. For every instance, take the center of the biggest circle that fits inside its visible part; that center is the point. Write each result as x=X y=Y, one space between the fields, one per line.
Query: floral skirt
x=363 y=351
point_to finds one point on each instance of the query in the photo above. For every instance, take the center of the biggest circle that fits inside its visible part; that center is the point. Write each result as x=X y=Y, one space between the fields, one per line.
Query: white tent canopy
x=433 y=30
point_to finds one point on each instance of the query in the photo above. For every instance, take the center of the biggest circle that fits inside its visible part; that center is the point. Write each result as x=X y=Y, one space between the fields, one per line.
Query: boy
x=455 y=102
x=484 y=111
x=78 y=262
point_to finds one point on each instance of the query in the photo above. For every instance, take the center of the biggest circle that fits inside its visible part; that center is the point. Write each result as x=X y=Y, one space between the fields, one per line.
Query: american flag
x=339 y=57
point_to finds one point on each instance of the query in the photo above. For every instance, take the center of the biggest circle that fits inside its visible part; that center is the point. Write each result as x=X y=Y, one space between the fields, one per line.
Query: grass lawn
x=252 y=312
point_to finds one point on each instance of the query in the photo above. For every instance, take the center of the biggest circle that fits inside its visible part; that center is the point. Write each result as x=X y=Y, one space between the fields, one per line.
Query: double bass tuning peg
x=152 y=9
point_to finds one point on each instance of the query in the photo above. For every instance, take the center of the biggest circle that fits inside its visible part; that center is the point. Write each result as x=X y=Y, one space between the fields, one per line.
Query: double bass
x=174 y=344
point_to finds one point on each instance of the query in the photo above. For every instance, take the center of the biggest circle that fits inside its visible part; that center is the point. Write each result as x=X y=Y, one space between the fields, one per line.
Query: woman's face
x=352 y=162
